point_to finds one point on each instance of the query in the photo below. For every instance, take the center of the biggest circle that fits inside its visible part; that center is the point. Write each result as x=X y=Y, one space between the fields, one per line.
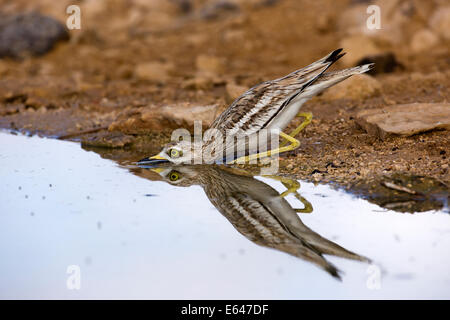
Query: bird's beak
x=158 y=170
x=152 y=160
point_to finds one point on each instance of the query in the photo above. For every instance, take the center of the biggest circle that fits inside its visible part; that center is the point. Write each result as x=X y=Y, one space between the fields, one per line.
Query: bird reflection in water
x=257 y=210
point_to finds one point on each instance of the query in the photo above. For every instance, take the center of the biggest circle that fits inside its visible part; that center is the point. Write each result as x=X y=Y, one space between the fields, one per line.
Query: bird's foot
x=294 y=144
x=308 y=118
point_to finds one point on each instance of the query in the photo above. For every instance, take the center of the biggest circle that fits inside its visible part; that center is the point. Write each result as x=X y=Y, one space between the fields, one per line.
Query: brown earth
x=138 y=69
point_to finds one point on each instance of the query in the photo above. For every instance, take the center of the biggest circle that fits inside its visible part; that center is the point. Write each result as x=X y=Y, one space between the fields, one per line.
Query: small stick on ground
x=394 y=186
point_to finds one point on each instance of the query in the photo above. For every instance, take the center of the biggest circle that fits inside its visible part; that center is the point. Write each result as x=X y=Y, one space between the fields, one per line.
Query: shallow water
x=132 y=237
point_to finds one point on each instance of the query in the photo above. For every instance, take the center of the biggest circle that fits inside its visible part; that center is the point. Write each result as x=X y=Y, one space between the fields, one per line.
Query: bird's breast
x=285 y=116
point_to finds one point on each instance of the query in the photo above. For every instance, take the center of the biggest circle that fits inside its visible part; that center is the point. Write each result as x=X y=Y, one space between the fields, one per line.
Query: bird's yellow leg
x=307 y=205
x=292 y=186
x=294 y=145
x=308 y=118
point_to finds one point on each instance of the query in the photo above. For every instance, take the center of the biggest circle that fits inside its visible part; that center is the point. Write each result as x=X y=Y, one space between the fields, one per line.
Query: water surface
x=133 y=237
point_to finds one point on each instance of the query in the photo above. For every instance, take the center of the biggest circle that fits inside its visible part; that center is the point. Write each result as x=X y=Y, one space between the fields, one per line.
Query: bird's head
x=176 y=152
x=180 y=176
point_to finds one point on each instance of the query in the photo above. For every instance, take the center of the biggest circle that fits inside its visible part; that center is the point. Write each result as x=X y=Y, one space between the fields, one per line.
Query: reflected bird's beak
x=152 y=160
x=158 y=170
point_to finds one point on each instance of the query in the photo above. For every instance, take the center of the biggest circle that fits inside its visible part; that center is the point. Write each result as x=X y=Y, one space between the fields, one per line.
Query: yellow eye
x=174 y=153
x=174 y=176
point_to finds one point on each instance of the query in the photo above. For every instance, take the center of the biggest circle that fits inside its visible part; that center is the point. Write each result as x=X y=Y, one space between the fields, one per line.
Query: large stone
x=150 y=119
x=28 y=34
x=405 y=120
x=357 y=87
x=184 y=115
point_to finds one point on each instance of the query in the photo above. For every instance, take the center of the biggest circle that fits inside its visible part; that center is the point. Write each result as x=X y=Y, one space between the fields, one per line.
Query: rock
x=423 y=40
x=153 y=71
x=198 y=83
x=130 y=121
x=184 y=115
x=440 y=22
x=107 y=140
x=234 y=91
x=210 y=64
x=405 y=120
x=150 y=119
x=358 y=47
x=357 y=87
x=27 y=34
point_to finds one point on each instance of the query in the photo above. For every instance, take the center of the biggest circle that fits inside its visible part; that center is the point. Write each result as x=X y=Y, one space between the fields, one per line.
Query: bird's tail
x=308 y=253
x=324 y=246
x=328 y=79
x=309 y=74
x=313 y=79
x=337 y=76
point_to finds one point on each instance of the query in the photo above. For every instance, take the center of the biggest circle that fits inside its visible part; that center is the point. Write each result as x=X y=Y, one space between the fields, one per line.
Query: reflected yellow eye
x=174 y=153
x=174 y=176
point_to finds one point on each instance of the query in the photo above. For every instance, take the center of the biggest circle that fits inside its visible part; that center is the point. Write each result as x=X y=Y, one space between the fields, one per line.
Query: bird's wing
x=253 y=110
x=257 y=211
x=270 y=229
x=258 y=222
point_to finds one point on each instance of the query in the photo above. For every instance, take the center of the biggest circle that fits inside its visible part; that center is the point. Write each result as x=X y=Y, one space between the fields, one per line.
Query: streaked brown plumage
x=257 y=211
x=270 y=105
